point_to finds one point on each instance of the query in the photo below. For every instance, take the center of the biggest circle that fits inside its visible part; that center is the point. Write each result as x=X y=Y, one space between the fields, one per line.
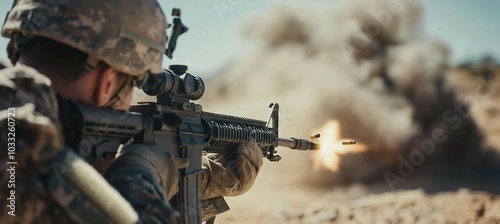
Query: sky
x=214 y=36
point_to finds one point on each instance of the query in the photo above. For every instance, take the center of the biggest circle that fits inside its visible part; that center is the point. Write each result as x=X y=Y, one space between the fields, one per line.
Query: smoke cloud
x=365 y=63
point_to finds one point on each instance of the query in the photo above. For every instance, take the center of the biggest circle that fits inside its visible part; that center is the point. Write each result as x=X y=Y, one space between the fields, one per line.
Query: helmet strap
x=122 y=94
x=91 y=63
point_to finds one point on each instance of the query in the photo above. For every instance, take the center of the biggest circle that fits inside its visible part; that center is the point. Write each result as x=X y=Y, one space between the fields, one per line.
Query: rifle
x=197 y=131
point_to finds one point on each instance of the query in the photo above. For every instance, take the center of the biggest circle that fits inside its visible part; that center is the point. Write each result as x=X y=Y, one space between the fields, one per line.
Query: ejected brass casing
x=349 y=142
x=315 y=136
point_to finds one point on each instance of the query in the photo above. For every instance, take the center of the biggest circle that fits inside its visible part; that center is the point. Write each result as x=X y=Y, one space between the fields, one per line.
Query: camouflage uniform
x=89 y=26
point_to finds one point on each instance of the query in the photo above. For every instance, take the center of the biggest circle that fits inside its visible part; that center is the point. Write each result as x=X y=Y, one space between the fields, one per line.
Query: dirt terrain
x=358 y=204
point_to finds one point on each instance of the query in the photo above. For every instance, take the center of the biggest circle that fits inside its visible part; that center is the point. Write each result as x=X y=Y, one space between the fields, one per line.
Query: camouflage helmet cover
x=129 y=35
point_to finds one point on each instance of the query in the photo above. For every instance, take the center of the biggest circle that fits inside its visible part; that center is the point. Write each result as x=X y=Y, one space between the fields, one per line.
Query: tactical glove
x=231 y=174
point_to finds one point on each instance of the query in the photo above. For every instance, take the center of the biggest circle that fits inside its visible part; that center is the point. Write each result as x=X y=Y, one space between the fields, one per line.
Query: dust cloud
x=366 y=64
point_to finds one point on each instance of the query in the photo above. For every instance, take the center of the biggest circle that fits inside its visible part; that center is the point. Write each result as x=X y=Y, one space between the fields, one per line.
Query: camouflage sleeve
x=32 y=144
x=147 y=176
x=32 y=108
x=228 y=174
x=140 y=188
x=213 y=207
x=29 y=139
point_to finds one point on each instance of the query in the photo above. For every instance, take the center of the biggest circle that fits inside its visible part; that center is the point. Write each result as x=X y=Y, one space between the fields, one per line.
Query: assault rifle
x=174 y=114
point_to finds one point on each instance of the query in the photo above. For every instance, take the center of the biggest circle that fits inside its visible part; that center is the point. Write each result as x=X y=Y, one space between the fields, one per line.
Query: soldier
x=92 y=52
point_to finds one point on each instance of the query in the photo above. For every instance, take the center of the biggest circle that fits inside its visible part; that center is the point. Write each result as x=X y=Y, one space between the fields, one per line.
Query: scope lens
x=189 y=84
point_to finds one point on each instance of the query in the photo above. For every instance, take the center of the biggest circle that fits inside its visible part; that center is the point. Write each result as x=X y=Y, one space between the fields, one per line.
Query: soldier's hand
x=161 y=163
x=249 y=152
x=231 y=174
x=147 y=176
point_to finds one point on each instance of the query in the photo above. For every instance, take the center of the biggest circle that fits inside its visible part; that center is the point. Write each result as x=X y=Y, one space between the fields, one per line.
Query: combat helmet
x=128 y=35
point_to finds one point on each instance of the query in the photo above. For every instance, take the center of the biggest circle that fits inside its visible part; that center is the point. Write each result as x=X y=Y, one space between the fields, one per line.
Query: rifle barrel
x=298 y=144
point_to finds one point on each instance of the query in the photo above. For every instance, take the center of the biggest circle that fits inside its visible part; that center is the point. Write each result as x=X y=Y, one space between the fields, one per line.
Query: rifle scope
x=175 y=82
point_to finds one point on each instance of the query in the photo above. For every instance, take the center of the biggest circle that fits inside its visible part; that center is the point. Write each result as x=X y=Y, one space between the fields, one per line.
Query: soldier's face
x=101 y=87
x=114 y=90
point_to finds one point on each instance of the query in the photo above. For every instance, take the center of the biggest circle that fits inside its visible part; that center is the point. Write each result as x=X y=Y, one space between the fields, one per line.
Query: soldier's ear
x=107 y=84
